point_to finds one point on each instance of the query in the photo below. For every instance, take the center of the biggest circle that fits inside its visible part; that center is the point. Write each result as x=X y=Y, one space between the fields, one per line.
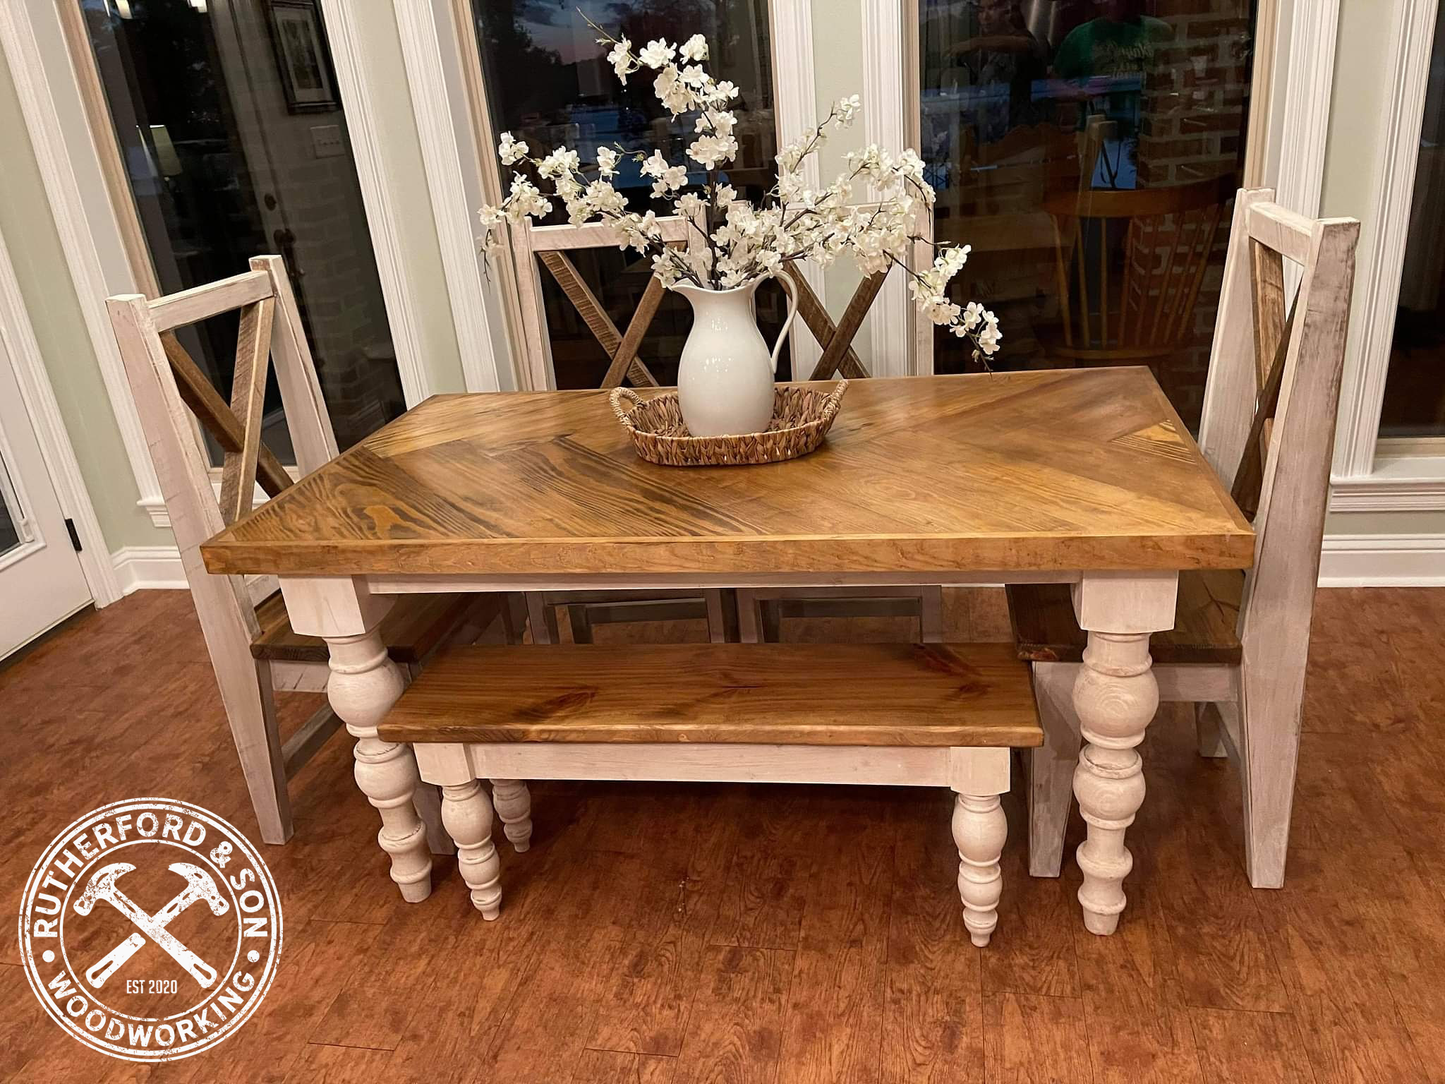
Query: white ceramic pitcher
x=725 y=376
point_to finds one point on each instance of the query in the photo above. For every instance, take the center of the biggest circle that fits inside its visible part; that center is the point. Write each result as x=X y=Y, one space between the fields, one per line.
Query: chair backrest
x=169 y=388
x=1168 y=237
x=1265 y=364
x=535 y=247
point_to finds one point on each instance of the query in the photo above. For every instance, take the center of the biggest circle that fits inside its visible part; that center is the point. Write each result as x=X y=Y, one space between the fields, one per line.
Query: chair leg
x=541 y=618
x=1208 y=732
x=580 y=618
x=750 y=612
x=1051 y=766
x=250 y=704
x=930 y=615
x=514 y=617
x=1269 y=729
x=513 y=803
x=717 y=622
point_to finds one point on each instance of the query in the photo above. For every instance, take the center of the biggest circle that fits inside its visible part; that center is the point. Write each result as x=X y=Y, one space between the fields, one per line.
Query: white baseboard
x=1383 y=560
x=145 y=567
x=1349 y=560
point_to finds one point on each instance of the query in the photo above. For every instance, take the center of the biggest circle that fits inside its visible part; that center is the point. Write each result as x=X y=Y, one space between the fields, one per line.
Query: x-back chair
x=537 y=247
x=253 y=650
x=1241 y=643
x=760 y=609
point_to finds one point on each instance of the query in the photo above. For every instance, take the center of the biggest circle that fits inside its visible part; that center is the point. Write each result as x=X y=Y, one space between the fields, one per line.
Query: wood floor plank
x=1235 y=1045
x=1032 y=1039
x=736 y=1028
x=339 y=1065
x=611 y=1067
x=835 y=1000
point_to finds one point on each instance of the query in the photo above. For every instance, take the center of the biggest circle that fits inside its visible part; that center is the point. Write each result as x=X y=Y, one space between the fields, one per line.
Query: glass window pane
x=10 y=514
x=1415 y=386
x=548 y=83
x=232 y=133
x=1087 y=151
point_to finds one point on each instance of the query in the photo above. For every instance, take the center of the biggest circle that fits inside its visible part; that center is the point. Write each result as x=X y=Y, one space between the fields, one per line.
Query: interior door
x=41 y=582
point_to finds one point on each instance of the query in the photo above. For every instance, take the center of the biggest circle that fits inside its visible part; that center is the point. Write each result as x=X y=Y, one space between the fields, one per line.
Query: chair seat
x=1205 y=630
x=411 y=630
x=782 y=694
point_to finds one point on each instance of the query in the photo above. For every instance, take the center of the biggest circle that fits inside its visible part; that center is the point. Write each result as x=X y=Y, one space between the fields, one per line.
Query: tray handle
x=622 y=395
x=834 y=400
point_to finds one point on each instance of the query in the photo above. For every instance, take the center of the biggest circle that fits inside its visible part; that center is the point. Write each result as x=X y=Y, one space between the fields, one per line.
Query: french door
x=223 y=135
x=41 y=582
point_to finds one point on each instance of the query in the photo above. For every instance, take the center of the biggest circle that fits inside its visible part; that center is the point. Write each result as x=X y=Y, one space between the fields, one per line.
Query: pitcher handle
x=786 y=282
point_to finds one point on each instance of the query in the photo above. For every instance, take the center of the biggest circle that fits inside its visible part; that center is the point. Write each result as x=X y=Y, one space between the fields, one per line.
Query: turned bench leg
x=467 y=814
x=978 y=777
x=514 y=805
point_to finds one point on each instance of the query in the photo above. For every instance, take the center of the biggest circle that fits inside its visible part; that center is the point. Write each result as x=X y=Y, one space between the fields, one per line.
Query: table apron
x=445 y=583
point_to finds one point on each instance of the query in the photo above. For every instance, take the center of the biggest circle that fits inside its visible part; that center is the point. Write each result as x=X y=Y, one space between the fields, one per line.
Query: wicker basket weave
x=801 y=418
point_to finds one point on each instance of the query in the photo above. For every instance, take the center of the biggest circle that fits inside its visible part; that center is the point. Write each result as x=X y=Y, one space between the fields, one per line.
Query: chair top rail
x=595 y=235
x=1287 y=232
x=211 y=299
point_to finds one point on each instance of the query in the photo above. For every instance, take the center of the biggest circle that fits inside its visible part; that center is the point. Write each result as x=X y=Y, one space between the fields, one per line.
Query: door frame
x=38 y=400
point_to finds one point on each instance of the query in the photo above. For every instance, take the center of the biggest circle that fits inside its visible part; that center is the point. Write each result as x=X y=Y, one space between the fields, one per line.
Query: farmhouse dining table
x=1079 y=476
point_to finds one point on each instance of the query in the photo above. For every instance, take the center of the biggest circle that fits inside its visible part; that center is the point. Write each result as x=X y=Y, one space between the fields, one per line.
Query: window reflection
x=1415 y=387
x=548 y=83
x=1086 y=149
x=234 y=143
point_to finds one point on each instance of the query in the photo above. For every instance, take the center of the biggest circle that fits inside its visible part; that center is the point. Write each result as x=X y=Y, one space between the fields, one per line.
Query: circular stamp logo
x=150 y=929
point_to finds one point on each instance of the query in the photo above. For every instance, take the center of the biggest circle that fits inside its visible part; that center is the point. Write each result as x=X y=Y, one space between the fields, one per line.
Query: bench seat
x=942 y=695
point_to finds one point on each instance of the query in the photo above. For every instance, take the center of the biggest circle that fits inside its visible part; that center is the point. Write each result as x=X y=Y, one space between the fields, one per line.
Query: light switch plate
x=326 y=141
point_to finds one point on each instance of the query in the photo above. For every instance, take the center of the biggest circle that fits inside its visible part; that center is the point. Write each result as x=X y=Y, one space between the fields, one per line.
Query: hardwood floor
x=672 y=934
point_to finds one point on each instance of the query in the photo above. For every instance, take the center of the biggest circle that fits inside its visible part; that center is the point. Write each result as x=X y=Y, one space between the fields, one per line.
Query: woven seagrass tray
x=801 y=419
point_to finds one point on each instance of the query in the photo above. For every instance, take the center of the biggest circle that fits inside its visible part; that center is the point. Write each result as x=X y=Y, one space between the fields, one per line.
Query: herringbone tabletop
x=1044 y=471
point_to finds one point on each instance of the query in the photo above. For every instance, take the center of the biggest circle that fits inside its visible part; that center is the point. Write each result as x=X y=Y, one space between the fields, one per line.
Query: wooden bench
x=776 y=713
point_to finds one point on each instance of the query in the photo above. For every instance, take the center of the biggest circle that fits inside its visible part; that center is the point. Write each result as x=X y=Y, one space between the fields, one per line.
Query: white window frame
x=439 y=47
x=1371 y=474
x=92 y=234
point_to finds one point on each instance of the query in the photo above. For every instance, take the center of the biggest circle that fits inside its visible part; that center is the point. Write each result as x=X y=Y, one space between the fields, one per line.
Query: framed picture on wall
x=298 y=37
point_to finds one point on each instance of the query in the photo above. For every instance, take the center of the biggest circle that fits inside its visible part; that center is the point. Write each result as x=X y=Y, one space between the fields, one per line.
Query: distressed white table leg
x=363 y=686
x=1116 y=697
x=514 y=806
x=979 y=776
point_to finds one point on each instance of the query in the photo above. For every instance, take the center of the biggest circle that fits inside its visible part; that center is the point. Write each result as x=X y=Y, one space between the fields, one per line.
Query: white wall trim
x=1305 y=118
x=883 y=123
x=149 y=567
x=1398 y=483
x=1389 y=218
x=795 y=105
x=39 y=400
x=443 y=122
x=348 y=56
x=1372 y=560
x=52 y=155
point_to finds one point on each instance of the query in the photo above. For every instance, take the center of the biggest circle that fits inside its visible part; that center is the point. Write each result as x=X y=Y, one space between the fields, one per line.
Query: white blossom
x=511 y=151
x=657 y=53
x=695 y=48
x=558 y=162
x=606 y=161
x=621 y=60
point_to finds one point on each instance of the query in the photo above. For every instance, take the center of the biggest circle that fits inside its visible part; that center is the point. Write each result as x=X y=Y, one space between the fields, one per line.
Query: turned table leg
x=514 y=805
x=979 y=777
x=467 y=814
x=363 y=686
x=1115 y=697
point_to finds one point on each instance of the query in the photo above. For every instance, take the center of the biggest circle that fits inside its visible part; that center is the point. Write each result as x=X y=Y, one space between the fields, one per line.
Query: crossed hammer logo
x=199 y=886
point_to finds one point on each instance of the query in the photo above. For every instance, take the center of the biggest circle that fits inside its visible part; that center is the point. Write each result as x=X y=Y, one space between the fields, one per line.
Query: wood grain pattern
x=783 y=694
x=575 y=886
x=1065 y=469
x=248 y=401
x=1205 y=631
